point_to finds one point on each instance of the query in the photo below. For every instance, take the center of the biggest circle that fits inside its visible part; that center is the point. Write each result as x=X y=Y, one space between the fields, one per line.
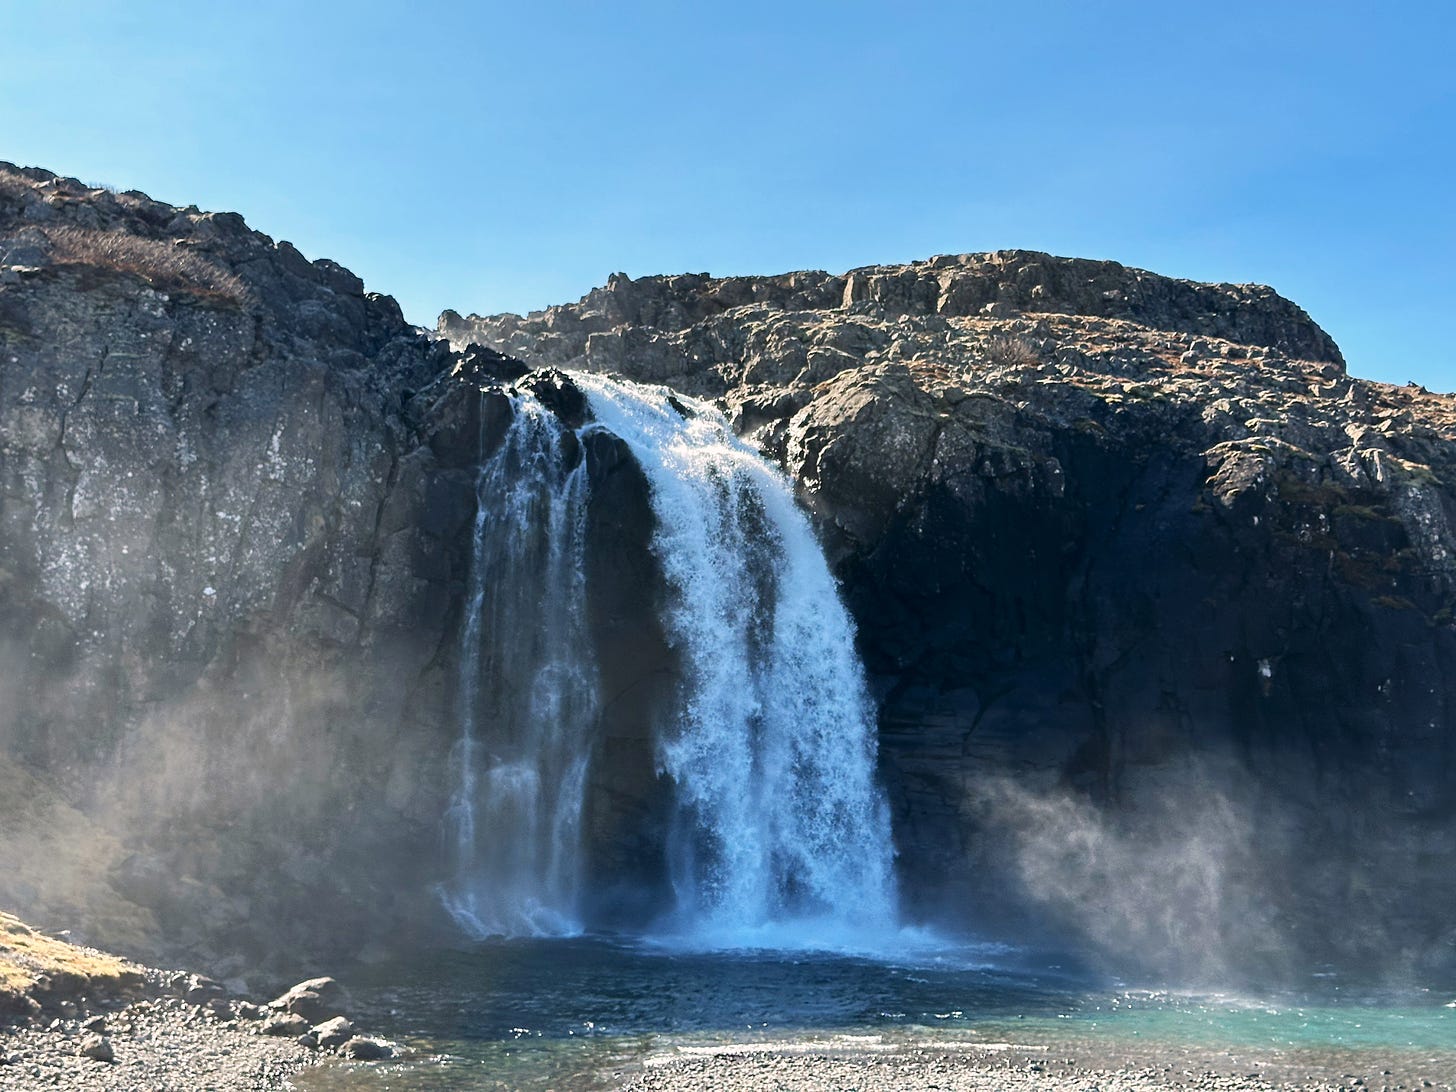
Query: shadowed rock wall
x=1157 y=599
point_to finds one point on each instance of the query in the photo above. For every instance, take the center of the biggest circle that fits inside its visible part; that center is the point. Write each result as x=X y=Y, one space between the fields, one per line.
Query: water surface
x=537 y=1014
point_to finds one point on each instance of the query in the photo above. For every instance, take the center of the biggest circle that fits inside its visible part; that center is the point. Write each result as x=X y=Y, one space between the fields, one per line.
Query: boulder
x=333 y=1033
x=97 y=1048
x=363 y=1049
x=201 y=990
x=315 y=1000
x=285 y=1025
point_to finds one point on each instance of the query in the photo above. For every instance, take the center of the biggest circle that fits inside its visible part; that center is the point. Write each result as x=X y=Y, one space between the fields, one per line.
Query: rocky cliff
x=223 y=577
x=1156 y=599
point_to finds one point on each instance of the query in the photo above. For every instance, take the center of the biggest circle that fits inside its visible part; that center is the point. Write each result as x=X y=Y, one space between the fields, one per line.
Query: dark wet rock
x=559 y=394
x=334 y=1033
x=481 y=364
x=315 y=1000
x=363 y=1049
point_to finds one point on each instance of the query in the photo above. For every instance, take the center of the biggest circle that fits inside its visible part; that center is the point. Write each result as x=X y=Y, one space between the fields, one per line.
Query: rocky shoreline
x=169 y=1042
x=832 y=1066
x=149 y=1044
x=78 y=1018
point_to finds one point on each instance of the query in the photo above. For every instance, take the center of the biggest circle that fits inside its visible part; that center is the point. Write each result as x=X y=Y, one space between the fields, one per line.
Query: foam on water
x=906 y=946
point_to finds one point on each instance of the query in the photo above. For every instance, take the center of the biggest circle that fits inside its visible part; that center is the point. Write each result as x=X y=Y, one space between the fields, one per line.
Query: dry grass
x=929 y=374
x=26 y=955
x=1007 y=351
x=163 y=265
x=12 y=183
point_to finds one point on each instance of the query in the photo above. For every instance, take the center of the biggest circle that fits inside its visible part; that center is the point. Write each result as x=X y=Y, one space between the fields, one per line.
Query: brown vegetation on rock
x=164 y=265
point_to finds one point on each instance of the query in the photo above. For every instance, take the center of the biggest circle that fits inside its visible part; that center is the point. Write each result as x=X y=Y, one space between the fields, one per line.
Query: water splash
x=781 y=829
x=526 y=689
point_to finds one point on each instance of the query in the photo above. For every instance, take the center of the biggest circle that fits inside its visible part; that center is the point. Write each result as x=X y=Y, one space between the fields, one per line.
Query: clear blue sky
x=492 y=156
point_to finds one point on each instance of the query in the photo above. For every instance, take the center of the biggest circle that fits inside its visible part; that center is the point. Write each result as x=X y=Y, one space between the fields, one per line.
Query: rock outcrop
x=225 y=573
x=1156 y=599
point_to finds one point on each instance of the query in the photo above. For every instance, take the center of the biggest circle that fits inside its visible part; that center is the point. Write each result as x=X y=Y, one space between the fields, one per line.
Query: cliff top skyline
x=489 y=159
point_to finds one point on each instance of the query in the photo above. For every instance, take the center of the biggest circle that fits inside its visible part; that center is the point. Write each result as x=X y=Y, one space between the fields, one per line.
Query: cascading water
x=782 y=832
x=526 y=689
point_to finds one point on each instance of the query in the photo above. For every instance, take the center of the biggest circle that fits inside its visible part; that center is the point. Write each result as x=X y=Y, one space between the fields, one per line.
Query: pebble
x=97 y=1048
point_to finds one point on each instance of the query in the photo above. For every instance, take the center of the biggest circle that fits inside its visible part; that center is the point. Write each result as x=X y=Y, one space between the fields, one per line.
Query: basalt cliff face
x=1155 y=599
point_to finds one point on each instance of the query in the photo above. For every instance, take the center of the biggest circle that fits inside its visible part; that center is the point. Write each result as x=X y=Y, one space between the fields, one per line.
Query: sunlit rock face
x=1154 y=601
x=228 y=561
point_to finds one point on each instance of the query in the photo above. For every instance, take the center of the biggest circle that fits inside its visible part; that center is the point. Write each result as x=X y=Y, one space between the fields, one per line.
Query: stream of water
x=781 y=829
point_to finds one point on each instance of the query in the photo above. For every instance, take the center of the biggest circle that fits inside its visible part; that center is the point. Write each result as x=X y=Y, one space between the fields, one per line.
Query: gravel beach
x=76 y=1017
x=166 y=1045
x=828 y=1067
x=158 y=1044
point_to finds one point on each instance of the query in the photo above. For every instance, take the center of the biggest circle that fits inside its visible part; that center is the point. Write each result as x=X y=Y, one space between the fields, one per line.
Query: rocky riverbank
x=1003 y=1067
x=147 y=1045
x=75 y=1017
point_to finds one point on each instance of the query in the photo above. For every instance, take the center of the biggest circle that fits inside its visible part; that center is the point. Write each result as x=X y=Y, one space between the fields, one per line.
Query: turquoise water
x=567 y=1013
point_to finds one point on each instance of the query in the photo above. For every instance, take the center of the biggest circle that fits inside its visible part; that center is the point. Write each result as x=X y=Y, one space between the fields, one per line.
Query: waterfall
x=526 y=689
x=780 y=824
x=780 y=834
